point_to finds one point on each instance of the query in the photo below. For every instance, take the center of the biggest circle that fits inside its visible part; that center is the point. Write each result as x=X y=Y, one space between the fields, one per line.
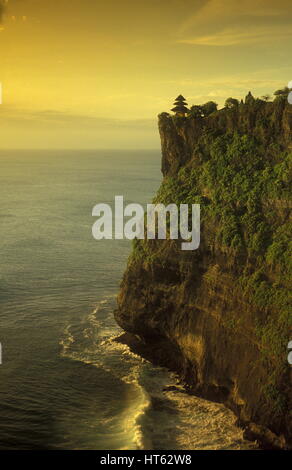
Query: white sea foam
x=67 y=339
x=161 y=414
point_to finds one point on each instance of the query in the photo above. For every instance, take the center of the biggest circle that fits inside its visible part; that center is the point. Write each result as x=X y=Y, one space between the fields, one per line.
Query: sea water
x=65 y=383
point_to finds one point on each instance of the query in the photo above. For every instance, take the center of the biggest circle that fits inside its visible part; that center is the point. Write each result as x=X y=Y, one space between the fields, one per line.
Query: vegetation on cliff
x=243 y=182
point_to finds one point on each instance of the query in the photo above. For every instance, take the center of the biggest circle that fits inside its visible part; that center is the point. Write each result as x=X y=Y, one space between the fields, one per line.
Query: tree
x=266 y=97
x=196 y=111
x=284 y=91
x=209 y=108
x=231 y=103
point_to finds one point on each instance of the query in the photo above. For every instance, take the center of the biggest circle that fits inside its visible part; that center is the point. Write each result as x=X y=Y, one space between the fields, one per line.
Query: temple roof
x=180 y=98
x=180 y=109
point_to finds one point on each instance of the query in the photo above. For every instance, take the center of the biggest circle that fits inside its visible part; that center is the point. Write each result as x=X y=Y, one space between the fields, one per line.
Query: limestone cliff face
x=219 y=315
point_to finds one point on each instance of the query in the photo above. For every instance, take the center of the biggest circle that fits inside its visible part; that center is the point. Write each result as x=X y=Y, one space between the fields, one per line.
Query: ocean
x=65 y=383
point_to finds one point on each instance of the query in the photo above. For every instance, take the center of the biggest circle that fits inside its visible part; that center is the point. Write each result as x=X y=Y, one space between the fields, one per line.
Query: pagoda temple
x=180 y=106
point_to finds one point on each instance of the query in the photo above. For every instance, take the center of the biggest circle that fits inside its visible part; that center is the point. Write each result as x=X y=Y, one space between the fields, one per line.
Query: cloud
x=229 y=81
x=53 y=129
x=237 y=36
x=216 y=12
x=52 y=118
x=233 y=22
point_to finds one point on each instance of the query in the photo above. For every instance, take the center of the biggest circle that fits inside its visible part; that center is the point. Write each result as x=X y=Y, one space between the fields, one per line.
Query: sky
x=95 y=74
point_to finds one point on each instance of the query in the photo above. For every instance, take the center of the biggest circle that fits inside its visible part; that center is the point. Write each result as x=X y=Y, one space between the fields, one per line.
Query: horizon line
x=78 y=149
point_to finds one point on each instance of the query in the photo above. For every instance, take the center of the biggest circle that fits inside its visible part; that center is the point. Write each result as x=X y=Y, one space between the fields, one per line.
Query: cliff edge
x=221 y=315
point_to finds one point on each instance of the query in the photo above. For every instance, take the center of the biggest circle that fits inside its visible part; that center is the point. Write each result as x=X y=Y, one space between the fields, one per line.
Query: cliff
x=220 y=315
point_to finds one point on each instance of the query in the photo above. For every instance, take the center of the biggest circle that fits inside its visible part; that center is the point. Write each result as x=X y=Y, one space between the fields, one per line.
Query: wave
x=92 y=341
x=160 y=414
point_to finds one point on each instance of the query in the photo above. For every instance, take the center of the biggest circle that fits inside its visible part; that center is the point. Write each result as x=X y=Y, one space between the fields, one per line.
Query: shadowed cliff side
x=220 y=315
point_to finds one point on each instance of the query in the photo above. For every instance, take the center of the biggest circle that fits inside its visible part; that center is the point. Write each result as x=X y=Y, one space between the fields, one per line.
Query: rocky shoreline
x=265 y=439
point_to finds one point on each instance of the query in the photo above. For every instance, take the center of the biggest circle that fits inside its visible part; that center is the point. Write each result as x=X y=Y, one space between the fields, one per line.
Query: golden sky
x=94 y=74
